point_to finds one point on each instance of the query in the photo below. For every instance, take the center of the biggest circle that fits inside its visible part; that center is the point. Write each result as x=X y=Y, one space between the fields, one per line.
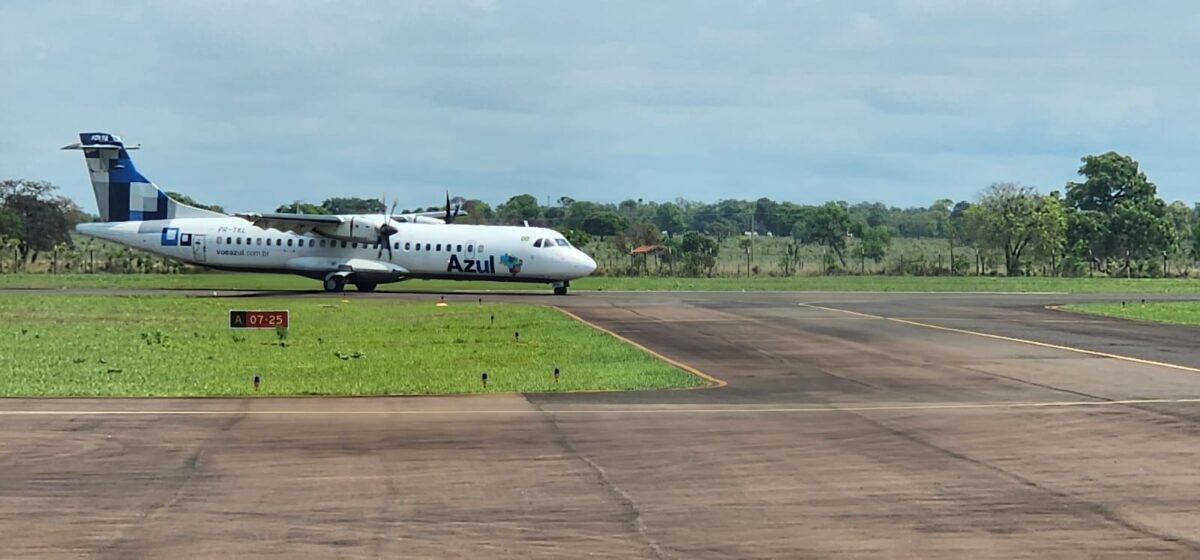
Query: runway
x=852 y=425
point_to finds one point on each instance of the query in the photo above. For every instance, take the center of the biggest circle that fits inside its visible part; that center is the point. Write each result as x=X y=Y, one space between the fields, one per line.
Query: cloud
x=254 y=104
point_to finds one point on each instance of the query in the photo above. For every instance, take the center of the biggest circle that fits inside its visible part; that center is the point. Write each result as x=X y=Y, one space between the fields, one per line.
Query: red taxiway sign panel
x=258 y=319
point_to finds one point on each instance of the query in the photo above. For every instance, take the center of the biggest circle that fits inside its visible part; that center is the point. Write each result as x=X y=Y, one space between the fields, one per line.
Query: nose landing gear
x=560 y=288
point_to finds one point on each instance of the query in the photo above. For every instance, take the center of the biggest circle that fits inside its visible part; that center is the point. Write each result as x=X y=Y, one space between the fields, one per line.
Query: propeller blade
x=448 y=216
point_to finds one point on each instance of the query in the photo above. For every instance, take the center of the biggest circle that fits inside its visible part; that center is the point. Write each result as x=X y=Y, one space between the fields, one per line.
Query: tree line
x=1111 y=221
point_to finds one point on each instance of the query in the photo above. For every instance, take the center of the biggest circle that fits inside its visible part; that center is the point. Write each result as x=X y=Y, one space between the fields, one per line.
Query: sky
x=254 y=104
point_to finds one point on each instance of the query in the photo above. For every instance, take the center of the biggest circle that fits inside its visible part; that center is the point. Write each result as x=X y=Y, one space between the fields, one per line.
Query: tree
x=721 y=230
x=699 y=253
x=352 y=205
x=43 y=224
x=520 y=208
x=1087 y=234
x=766 y=214
x=644 y=233
x=477 y=212
x=301 y=208
x=1109 y=178
x=1135 y=222
x=185 y=199
x=669 y=218
x=10 y=223
x=1011 y=218
x=578 y=211
x=1181 y=218
x=827 y=225
x=604 y=224
x=578 y=238
x=875 y=242
x=1196 y=241
x=45 y=220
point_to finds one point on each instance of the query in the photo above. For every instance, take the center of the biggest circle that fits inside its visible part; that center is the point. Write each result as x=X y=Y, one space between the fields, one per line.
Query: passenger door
x=199 y=249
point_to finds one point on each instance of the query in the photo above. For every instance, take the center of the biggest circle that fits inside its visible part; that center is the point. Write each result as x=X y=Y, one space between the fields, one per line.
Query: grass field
x=226 y=280
x=67 y=345
x=1177 y=312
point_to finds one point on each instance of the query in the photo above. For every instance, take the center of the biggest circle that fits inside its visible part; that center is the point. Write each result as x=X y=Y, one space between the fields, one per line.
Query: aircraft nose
x=586 y=263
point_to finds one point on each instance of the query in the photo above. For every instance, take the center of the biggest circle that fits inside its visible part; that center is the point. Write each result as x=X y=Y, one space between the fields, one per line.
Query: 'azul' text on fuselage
x=472 y=265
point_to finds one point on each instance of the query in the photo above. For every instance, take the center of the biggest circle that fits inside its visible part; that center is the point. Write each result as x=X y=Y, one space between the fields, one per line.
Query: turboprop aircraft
x=361 y=249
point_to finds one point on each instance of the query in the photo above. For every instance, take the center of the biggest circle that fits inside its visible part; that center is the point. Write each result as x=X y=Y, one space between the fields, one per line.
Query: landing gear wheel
x=365 y=286
x=335 y=284
x=560 y=290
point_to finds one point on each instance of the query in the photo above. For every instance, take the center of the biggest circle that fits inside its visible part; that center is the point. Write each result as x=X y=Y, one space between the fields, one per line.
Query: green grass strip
x=247 y=281
x=72 y=345
x=1178 y=313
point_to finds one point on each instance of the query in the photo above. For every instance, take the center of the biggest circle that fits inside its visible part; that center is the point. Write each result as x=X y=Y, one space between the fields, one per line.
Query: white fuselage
x=461 y=252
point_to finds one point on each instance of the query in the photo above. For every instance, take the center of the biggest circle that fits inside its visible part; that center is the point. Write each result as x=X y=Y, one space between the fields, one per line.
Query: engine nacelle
x=359 y=230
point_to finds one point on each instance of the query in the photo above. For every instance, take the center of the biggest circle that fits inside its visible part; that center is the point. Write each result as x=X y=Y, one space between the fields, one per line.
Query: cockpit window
x=562 y=242
x=537 y=243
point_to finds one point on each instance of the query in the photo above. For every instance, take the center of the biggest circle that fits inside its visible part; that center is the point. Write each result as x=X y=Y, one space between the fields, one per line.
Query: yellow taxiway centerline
x=1096 y=353
x=715 y=382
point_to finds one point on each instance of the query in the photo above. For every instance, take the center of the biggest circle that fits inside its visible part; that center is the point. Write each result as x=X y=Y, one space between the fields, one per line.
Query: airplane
x=360 y=249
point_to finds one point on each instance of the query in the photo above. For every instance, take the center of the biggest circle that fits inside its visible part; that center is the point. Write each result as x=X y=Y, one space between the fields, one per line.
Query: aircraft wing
x=295 y=223
x=341 y=264
x=420 y=217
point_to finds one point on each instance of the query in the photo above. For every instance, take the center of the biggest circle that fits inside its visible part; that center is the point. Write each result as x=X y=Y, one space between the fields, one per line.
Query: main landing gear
x=560 y=288
x=337 y=283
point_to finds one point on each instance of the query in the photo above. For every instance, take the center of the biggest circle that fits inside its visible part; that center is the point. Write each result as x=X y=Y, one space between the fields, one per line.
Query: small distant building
x=648 y=249
x=645 y=251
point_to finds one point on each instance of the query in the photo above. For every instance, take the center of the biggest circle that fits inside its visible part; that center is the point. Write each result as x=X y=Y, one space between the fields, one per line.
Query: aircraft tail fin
x=122 y=193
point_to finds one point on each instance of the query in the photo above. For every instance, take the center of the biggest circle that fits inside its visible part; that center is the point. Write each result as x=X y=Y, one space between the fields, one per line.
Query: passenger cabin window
x=396 y=246
x=239 y=241
x=427 y=247
x=311 y=243
x=228 y=240
x=418 y=246
x=289 y=243
x=343 y=244
x=470 y=248
x=458 y=248
x=439 y=247
x=219 y=240
x=479 y=248
x=407 y=246
x=258 y=241
x=322 y=243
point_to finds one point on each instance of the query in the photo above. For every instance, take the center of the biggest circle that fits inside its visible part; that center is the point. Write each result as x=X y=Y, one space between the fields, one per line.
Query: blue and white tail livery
x=122 y=193
x=361 y=249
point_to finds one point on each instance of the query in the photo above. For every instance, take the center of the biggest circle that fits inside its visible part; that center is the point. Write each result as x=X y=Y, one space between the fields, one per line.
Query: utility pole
x=752 y=232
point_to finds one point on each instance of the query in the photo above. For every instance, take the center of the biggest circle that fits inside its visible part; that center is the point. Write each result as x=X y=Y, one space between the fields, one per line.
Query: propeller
x=385 y=231
x=458 y=202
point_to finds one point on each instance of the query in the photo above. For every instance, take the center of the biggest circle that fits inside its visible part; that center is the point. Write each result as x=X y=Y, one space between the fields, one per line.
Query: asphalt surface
x=852 y=425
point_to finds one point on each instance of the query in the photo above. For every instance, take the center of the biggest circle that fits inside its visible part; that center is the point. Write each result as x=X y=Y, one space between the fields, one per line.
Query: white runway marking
x=601 y=410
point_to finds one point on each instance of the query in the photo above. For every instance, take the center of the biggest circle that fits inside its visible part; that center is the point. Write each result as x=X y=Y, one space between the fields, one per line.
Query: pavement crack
x=1099 y=509
x=633 y=513
x=187 y=474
